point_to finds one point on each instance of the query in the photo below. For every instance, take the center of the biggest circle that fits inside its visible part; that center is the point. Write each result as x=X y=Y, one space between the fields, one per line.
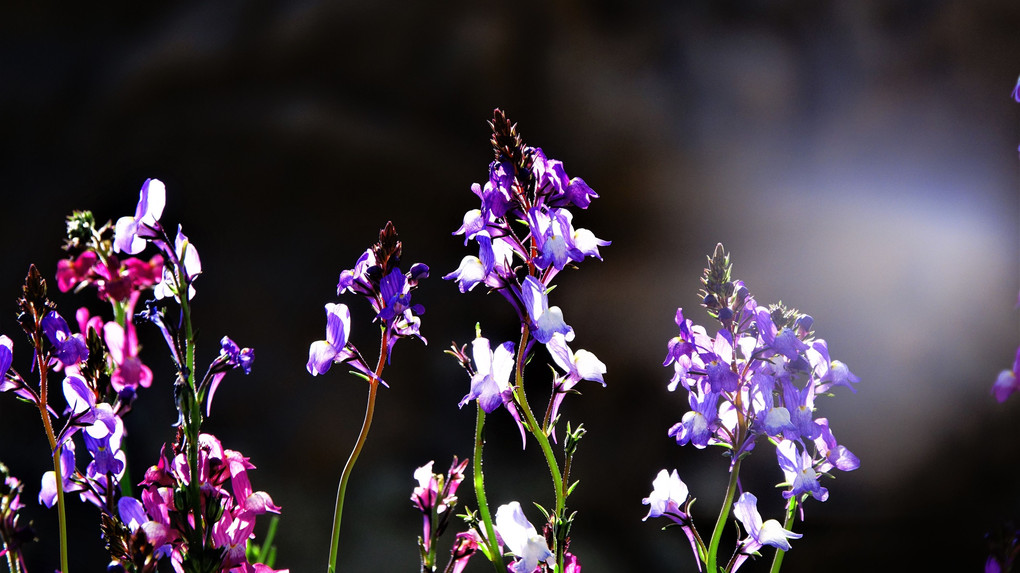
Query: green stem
x=724 y=514
x=193 y=415
x=543 y=441
x=791 y=511
x=267 y=544
x=373 y=386
x=483 y=505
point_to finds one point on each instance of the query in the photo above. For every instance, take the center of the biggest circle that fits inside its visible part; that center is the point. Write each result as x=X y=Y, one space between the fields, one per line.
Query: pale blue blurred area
x=858 y=160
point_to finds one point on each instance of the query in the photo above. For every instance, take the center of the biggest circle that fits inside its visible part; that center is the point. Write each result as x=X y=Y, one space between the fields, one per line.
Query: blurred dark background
x=859 y=160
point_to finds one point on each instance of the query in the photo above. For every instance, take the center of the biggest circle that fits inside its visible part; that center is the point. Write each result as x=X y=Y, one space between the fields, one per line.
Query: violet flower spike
x=130 y=233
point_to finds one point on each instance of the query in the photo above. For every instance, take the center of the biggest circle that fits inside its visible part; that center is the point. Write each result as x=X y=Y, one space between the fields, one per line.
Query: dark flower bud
x=725 y=315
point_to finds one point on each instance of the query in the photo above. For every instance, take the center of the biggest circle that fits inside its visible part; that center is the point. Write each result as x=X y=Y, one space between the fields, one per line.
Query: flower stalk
x=366 y=425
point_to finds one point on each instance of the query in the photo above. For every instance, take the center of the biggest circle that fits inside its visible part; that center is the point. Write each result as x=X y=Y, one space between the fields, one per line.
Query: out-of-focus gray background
x=859 y=159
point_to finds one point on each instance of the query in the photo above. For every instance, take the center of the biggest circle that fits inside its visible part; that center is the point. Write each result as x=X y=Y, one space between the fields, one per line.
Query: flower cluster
x=525 y=236
x=377 y=277
x=186 y=512
x=756 y=378
x=435 y=497
x=227 y=500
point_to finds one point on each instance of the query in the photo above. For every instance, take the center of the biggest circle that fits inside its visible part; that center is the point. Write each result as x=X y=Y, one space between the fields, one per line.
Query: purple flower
x=70 y=349
x=470 y=272
x=801 y=404
x=231 y=356
x=669 y=495
x=1004 y=385
x=490 y=384
x=800 y=472
x=718 y=371
x=759 y=534
x=522 y=539
x=670 y=499
x=6 y=355
x=554 y=238
x=545 y=319
x=132 y=513
x=474 y=223
x=186 y=255
x=582 y=365
x=48 y=489
x=700 y=423
x=435 y=496
x=335 y=349
x=836 y=456
x=838 y=375
x=131 y=232
x=787 y=344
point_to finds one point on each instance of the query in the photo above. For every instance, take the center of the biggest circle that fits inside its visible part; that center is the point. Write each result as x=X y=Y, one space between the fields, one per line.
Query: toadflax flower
x=70 y=348
x=522 y=539
x=759 y=534
x=131 y=232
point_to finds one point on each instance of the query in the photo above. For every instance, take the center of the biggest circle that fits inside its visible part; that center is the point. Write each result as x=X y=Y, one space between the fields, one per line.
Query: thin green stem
x=724 y=514
x=791 y=512
x=267 y=544
x=543 y=440
x=193 y=413
x=483 y=504
x=373 y=386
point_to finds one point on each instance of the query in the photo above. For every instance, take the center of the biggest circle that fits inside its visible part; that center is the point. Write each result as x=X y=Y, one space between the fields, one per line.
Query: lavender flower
x=760 y=534
x=131 y=232
x=522 y=539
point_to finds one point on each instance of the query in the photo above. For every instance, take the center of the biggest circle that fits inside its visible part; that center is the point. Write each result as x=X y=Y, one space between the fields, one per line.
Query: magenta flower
x=71 y=272
x=131 y=233
x=130 y=373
